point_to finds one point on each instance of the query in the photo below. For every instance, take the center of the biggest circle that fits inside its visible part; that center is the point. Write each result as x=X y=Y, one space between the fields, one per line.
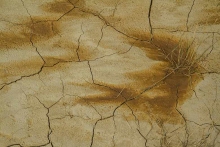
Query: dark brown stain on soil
x=171 y=82
x=62 y=6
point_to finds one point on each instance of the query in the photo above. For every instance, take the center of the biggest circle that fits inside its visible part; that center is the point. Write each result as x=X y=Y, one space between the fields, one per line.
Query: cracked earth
x=109 y=73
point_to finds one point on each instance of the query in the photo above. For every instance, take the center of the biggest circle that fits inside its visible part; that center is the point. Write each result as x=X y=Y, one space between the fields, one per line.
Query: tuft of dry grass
x=183 y=56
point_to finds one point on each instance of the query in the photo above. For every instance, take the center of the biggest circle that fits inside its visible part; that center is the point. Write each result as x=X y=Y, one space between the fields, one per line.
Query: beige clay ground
x=110 y=73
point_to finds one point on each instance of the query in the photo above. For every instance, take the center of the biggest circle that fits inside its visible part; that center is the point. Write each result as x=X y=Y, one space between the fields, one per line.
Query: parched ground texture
x=109 y=73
